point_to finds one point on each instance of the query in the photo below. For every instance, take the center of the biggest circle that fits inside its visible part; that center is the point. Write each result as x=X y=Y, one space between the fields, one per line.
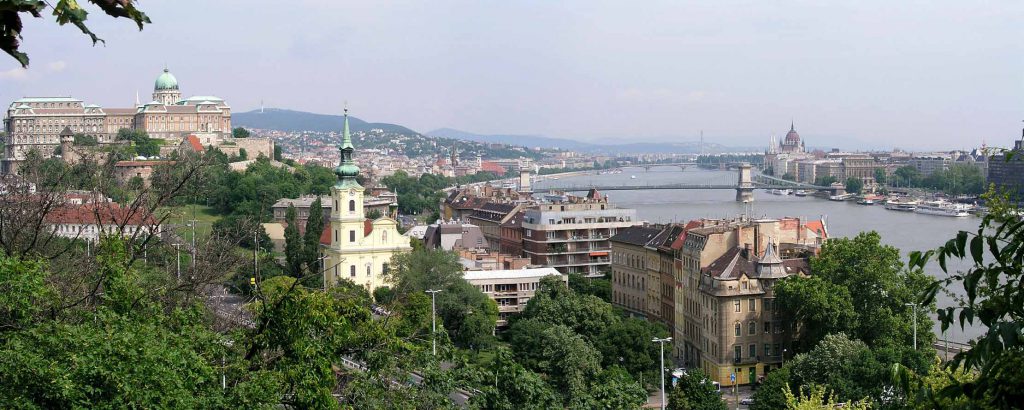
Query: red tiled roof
x=367 y=227
x=817 y=227
x=99 y=214
x=678 y=244
x=488 y=166
x=193 y=142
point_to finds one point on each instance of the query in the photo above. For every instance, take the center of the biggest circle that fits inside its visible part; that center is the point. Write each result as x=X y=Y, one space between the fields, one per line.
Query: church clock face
x=351 y=192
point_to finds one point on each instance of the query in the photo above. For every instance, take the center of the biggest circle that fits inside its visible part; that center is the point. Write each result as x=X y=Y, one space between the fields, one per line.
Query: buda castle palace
x=35 y=123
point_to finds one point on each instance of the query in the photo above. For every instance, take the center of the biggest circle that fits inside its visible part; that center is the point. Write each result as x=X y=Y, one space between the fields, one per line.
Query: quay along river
x=906 y=231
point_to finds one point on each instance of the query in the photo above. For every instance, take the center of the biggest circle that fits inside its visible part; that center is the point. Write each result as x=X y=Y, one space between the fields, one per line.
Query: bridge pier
x=744 y=187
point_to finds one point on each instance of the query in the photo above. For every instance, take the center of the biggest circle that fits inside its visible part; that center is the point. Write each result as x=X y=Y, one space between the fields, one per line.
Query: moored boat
x=943 y=208
x=800 y=192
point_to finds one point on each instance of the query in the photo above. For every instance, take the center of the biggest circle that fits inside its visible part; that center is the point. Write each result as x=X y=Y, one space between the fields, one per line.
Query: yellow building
x=356 y=248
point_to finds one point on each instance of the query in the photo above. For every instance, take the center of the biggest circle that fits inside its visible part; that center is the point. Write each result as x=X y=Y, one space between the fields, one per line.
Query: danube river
x=906 y=231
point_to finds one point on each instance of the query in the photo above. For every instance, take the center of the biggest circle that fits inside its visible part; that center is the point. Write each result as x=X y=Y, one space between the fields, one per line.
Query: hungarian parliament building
x=35 y=123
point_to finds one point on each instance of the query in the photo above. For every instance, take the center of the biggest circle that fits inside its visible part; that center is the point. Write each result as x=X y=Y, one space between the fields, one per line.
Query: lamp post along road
x=914 y=307
x=433 y=319
x=661 y=370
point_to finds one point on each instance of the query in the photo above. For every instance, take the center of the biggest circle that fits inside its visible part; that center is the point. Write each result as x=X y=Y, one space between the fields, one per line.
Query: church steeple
x=347 y=169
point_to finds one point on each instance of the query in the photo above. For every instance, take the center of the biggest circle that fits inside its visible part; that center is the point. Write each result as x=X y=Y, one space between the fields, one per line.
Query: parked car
x=747 y=401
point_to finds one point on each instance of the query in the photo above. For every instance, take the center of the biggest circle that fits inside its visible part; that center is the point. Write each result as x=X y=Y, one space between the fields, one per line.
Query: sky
x=854 y=75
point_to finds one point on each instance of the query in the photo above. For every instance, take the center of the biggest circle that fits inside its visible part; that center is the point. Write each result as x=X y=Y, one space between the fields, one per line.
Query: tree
x=880 y=287
x=789 y=177
x=373 y=214
x=600 y=287
x=569 y=362
x=514 y=387
x=880 y=176
x=613 y=388
x=85 y=140
x=771 y=394
x=141 y=142
x=816 y=307
x=311 y=240
x=556 y=304
x=991 y=285
x=627 y=343
x=825 y=180
x=907 y=176
x=294 y=252
x=694 y=391
x=817 y=398
x=66 y=11
x=239 y=132
x=278 y=152
x=854 y=185
x=846 y=366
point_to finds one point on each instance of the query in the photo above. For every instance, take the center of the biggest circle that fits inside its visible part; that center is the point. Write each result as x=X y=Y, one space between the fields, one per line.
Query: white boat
x=895 y=204
x=787 y=192
x=866 y=201
x=800 y=192
x=632 y=177
x=776 y=192
x=943 y=208
x=840 y=198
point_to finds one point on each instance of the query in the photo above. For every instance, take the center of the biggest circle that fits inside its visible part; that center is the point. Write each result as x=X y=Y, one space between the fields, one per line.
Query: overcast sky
x=924 y=75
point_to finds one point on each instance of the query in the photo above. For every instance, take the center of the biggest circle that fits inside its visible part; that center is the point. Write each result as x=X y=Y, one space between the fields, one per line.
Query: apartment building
x=572 y=233
x=510 y=289
x=723 y=292
x=630 y=279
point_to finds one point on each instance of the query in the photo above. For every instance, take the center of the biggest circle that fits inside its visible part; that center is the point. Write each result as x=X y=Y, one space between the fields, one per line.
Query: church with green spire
x=357 y=249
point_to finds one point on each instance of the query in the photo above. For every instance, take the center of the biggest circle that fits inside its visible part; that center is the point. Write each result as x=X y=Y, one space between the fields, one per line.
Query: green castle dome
x=166 y=81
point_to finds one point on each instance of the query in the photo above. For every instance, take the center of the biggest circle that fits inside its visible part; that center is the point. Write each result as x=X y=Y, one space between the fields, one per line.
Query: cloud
x=16 y=73
x=56 y=66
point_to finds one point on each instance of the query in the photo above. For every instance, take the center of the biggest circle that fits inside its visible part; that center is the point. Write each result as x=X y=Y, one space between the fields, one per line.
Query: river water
x=906 y=231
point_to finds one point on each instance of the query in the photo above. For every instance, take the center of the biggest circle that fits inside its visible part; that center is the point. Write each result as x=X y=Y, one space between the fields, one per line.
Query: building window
x=737 y=328
x=737 y=351
x=736 y=305
x=767 y=327
x=767 y=350
x=752 y=328
x=351 y=236
x=752 y=350
x=352 y=205
x=384 y=268
x=753 y=305
x=335 y=235
x=352 y=271
x=368 y=270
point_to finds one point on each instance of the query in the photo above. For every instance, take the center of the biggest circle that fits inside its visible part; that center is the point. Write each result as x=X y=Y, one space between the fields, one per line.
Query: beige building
x=725 y=273
x=632 y=264
x=356 y=248
x=510 y=289
x=35 y=123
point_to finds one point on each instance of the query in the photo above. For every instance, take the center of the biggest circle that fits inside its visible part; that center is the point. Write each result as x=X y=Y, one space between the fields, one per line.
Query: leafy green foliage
x=239 y=132
x=600 y=287
x=418 y=194
x=294 y=252
x=994 y=294
x=880 y=176
x=817 y=398
x=825 y=180
x=467 y=314
x=846 y=366
x=513 y=387
x=854 y=185
x=311 y=238
x=819 y=307
x=140 y=141
x=771 y=394
x=85 y=140
x=694 y=391
x=65 y=11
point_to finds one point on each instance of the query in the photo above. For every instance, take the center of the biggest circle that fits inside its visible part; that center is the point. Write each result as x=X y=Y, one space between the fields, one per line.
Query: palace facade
x=35 y=123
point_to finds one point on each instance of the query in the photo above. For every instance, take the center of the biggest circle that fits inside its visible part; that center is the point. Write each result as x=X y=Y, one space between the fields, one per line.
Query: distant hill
x=294 y=121
x=532 y=141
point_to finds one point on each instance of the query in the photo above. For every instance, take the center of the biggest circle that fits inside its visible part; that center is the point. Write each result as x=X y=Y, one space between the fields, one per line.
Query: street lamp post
x=661 y=370
x=433 y=319
x=914 y=306
x=177 y=248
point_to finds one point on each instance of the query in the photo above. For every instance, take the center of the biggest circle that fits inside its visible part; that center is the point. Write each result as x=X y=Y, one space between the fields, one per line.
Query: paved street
x=654 y=401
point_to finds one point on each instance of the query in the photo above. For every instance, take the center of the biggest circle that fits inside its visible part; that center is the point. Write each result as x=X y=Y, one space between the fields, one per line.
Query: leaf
x=961 y=241
x=976 y=248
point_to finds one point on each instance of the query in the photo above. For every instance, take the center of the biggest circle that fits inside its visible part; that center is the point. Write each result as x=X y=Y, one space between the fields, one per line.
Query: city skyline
x=875 y=76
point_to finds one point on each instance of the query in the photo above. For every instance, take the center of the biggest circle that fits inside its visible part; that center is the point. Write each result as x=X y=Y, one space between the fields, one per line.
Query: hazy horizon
x=937 y=75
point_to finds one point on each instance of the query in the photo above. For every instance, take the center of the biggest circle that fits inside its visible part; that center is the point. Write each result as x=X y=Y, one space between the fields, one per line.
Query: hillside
x=295 y=121
x=532 y=141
